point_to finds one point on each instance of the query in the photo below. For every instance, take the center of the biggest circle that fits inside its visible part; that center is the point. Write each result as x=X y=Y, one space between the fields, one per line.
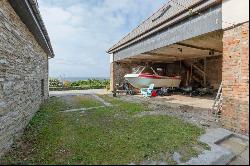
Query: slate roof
x=29 y=13
x=168 y=12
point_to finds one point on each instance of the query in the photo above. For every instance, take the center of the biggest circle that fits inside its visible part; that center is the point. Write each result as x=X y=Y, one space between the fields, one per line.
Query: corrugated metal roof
x=166 y=13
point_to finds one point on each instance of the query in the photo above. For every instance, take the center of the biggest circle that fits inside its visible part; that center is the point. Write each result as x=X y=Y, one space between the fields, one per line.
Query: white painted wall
x=234 y=12
x=111 y=58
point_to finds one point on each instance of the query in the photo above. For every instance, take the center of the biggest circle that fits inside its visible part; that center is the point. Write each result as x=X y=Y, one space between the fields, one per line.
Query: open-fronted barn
x=203 y=41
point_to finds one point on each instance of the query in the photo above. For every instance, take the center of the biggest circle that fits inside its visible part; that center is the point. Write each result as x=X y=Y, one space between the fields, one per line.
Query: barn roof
x=168 y=13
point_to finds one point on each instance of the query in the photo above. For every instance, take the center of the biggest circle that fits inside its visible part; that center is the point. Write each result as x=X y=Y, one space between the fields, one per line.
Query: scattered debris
x=125 y=87
x=186 y=90
x=164 y=91
x=202 y=92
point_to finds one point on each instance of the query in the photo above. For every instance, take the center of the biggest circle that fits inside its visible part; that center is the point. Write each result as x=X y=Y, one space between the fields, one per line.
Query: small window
x=42 y=87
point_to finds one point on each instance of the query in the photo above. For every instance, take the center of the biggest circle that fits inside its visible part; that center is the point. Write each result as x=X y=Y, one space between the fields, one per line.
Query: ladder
x=217 y=104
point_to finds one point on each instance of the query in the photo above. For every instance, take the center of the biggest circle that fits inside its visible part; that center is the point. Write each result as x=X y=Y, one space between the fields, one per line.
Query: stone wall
x=23 y=66
x=235 y=75
x=117 y=72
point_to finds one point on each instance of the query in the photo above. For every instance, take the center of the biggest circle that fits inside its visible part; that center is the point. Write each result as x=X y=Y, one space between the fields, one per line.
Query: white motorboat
x=142 y=78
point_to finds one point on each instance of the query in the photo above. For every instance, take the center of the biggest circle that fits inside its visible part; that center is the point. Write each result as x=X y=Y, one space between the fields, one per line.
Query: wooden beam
x=196 y=67
x=195 y=57
x=159 y=55
x=180 y=68
x=164 y=59
x=132 y=60
x=205 y=70
x=197 y=47
x=191 y=75
x=188 y=78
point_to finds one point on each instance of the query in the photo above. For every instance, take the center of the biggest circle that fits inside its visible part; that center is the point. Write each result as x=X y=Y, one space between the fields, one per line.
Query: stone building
x=24 y=52
x=208 y=38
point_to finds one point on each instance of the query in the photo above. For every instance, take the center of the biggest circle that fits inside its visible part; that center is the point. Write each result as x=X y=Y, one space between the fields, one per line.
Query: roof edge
x=29 y=13
x=159 y=27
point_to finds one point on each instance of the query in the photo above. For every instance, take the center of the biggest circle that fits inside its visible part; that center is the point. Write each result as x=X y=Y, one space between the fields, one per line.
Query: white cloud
x=82 y=30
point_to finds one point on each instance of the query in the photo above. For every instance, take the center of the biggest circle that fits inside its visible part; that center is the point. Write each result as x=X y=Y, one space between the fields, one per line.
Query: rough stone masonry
x=23 y=75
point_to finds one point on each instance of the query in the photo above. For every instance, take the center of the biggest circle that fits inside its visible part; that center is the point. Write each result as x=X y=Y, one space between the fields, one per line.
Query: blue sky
x=82 y=30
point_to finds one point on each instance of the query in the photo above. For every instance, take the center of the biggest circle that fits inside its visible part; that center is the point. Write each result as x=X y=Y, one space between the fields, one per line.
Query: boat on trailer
x=142 y=79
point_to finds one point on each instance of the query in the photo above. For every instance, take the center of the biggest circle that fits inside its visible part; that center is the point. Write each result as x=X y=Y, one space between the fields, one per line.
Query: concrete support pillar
x=235 y=78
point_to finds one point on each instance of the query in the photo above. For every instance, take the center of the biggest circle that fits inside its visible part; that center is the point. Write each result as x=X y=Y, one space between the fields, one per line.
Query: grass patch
x=83 y=101
x=110 y=135
x=75 y=102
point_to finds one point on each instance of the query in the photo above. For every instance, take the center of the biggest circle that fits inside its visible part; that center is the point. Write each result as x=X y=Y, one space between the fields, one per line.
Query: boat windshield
x=148 y=70
x=144 y=70
x=138 y=70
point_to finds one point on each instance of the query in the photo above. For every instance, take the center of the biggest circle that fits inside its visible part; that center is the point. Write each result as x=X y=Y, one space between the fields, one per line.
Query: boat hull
x=144 y=82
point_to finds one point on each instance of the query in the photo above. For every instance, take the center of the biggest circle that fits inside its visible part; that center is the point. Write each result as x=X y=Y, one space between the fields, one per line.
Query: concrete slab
x=215 y=136
x=245 y=154
x=218 y=154
x=242 y=159
x=234 y=144
x=94 y=96
x=78 y=92
x=83 y=109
